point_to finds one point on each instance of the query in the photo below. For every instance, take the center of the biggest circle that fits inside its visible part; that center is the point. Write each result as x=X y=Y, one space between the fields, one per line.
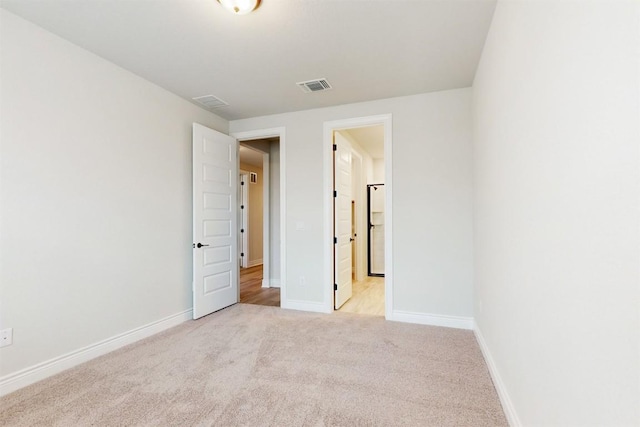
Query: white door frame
x=266 y=259
x=328 y=129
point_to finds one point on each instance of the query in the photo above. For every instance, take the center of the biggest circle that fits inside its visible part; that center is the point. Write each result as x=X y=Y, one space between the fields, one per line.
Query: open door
x=215 y=247
x=342 y=267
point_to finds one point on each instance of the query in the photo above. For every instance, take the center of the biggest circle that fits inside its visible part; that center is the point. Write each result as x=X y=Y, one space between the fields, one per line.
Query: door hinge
x=335 y=193
x=335 y=286
x=335 y=240
x=335 y=147
x=242 y=254
x=242 y=230
x=241 y=206
x=241 y=182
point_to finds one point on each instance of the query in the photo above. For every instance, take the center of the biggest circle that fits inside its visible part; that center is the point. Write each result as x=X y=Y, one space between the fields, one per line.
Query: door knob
x=199 y=245
x=351 y=239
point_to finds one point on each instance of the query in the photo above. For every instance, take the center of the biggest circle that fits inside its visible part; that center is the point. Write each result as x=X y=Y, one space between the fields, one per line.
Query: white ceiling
x=366 y=49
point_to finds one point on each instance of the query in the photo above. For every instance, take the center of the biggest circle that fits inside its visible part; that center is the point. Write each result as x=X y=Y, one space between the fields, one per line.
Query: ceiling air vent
x=317 y=85
x=210 y=101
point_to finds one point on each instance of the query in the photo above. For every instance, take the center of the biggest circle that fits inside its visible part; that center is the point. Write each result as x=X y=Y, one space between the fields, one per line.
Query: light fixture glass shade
x=239 y=7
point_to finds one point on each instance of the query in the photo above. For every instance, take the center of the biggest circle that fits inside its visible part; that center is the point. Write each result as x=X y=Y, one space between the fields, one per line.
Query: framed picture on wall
x=253 y=177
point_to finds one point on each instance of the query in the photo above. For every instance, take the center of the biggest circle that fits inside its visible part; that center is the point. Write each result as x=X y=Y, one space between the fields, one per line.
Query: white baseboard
x=254 y=263
x=273 y=283
x=457 y=322
x=35 y=373
x=507 y=405
x=315 y=307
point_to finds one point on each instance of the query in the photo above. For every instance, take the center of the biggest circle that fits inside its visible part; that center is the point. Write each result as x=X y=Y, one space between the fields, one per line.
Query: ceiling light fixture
x=239 y=7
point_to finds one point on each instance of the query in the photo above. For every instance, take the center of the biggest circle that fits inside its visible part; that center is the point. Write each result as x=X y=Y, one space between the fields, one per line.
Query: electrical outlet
x=6 y=337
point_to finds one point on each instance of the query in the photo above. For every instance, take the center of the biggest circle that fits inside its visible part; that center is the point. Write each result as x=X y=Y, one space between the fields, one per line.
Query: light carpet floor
x=264 y=366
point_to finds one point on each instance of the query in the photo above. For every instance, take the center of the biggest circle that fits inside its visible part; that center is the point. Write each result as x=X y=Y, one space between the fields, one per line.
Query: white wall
x=378 y=171
x=96 y=197
x=367 y=161
x=431 y=195
x=557 y=185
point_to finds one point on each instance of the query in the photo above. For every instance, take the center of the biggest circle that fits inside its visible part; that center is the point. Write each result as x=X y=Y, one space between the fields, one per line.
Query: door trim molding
x=327 y=150
x=270 y=133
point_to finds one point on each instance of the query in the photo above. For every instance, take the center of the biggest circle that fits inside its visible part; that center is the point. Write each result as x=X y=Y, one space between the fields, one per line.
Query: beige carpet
x=264 y=366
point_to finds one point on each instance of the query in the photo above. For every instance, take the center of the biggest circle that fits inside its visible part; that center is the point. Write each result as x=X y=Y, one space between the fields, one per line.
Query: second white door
x=343 y=267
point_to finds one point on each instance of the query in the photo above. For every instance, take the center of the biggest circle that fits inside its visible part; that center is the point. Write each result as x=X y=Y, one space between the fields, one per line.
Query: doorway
x=257 y=158
x=358 y=154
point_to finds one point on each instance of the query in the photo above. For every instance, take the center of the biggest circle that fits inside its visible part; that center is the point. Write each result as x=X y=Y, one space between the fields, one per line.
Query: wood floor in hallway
x=251 y=290
x=367 y=298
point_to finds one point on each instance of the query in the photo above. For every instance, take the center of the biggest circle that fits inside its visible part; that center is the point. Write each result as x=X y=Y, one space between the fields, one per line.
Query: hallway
x=251 y=290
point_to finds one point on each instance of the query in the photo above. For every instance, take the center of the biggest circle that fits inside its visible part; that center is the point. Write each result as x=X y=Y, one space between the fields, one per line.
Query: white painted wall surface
x=557 y=187
x=378 y=171
x=95 y=197
x=367 y=166
x=431 y=194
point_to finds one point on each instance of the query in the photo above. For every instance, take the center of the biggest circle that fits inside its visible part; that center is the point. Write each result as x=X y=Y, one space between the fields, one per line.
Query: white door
x=215 y=247
x=342 y=269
